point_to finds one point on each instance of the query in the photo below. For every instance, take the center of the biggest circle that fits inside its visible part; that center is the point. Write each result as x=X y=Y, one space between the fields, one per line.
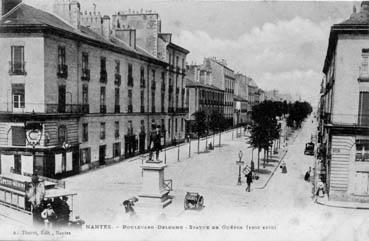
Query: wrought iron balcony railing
x=17 y=68
x=62 y=71
x=85 y=75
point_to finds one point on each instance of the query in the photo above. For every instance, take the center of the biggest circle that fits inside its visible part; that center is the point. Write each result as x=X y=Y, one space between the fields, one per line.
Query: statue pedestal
x=153 y=194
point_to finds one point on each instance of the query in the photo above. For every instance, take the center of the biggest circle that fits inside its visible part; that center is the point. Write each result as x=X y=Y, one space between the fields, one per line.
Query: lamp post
x=239 y=163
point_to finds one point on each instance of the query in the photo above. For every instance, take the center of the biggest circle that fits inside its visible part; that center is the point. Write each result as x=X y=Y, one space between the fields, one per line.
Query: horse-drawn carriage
x=193 y=200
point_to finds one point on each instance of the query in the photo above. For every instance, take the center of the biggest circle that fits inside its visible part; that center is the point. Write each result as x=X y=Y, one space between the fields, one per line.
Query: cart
x=193 y=200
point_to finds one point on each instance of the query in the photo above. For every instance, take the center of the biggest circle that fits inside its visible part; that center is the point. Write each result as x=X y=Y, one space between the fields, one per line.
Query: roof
x=25 y=17
x=194 y=84
x=252 y=83
x=358 y=23
x=173 y=45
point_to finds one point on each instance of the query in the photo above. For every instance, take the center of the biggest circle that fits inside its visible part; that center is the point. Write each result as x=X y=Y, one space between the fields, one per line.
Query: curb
x=317 y=201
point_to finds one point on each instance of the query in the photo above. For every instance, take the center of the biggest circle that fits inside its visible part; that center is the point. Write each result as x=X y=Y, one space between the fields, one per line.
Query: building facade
x=202 y=95
x=344 y=122
x=241 y=97
x=93 y=91
x=223 y=78
x=147 y=26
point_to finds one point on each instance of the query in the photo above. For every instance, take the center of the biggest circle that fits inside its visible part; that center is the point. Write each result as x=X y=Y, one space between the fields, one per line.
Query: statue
x=155 y=145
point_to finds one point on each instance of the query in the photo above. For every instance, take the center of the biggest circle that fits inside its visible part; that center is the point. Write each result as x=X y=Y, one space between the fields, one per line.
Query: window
x=102 y=95
x=169 y=126
x=362 y=151
x=18 y=95
x=162 y=100
x=61 y=55
x=364 y=109
x=18 y=136
x=130 y=77
x=129 y=128
x=142 y=77
x=153 y=100
x=103 y=74
x=116 y=132
x=142 y=126
x=62 y=132
x=17 y=60
x=116 y=100
x=85 y=94
x=364 y=63
x=153 y=124
x=85 y=156
x=142 y=101
x=177 y=61
x=116 y=149
x=85 y=132
x=84 y=60
x=130 y=107
x=102 y=131
x=176 y=125
x=182 y=124
x=162 y=125
x=117 y=66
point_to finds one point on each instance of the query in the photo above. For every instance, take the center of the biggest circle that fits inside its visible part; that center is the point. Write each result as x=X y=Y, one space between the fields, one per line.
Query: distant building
x=241 y=96
x=344 y=112
x=223 y=78
x=253 y=96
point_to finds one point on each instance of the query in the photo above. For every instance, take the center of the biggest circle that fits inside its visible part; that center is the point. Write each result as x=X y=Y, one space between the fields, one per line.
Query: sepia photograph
x=181 y=120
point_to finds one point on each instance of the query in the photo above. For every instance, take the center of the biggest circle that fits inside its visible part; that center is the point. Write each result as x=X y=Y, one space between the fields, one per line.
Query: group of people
x=53 y=212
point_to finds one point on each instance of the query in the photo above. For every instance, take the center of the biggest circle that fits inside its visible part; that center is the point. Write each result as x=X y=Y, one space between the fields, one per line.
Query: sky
x=280 y=44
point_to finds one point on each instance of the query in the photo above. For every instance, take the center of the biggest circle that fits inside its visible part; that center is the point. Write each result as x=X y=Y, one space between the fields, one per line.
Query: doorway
x=102 y=152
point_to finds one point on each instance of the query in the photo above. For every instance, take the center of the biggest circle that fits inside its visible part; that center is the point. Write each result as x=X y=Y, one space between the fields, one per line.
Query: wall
x=33 y=80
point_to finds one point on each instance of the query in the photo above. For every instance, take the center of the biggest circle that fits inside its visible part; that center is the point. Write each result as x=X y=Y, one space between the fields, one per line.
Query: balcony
x=103 y=76
x=85 y=75
x=170 y=109
x=17 y=68
x=118 y=79
x=130 y=80
x=102 y=109
x=68 y=108
x=85 y=108
x=116 y=108
x=182 y=110
x=129 y=108
x=62 y=71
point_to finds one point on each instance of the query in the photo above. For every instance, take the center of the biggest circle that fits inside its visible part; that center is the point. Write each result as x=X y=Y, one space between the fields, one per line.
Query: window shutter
x=18 y=136
x=364 y=109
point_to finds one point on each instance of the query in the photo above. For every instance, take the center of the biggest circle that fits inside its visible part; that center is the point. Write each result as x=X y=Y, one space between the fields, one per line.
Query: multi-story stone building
x=92 y=91
x=147 y=26
x=202 y=95
x=344 y=126
x=223 y=78
x=253 y=96
x=241 y=97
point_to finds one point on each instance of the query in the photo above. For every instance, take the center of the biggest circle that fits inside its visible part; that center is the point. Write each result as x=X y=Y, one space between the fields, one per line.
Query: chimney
x=75 y=14
x=106 y=27
x=7 y=5
x=127 y=35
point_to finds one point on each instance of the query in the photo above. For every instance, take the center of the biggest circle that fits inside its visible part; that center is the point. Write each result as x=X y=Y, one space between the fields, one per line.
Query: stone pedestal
x=153 y=193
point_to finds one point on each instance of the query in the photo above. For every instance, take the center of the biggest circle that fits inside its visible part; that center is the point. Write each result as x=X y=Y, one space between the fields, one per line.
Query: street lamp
x=239 y=163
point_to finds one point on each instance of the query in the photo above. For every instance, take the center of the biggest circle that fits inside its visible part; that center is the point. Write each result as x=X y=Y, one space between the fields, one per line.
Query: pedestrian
x=283 y=167
x=307 y=175
x=49 y=215
x=249 y=181
x=320 y=189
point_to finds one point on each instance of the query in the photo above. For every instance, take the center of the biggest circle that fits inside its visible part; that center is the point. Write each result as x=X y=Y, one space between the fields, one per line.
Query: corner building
x=96 y=93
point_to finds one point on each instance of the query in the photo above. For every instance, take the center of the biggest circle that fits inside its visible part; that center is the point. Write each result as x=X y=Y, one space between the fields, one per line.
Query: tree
x=216 y=123
x=200 y=126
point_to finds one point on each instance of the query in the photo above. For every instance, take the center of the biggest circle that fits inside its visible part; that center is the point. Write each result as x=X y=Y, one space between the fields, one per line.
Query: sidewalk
x=340 y=204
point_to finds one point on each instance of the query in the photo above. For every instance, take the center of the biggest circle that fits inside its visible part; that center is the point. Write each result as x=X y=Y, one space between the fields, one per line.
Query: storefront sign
x=33 y=132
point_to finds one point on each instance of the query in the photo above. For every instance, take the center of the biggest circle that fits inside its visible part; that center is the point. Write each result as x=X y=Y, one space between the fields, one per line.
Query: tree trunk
x=206 y=142
x=198 y=144
x=264 y=158
x=258 y=159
